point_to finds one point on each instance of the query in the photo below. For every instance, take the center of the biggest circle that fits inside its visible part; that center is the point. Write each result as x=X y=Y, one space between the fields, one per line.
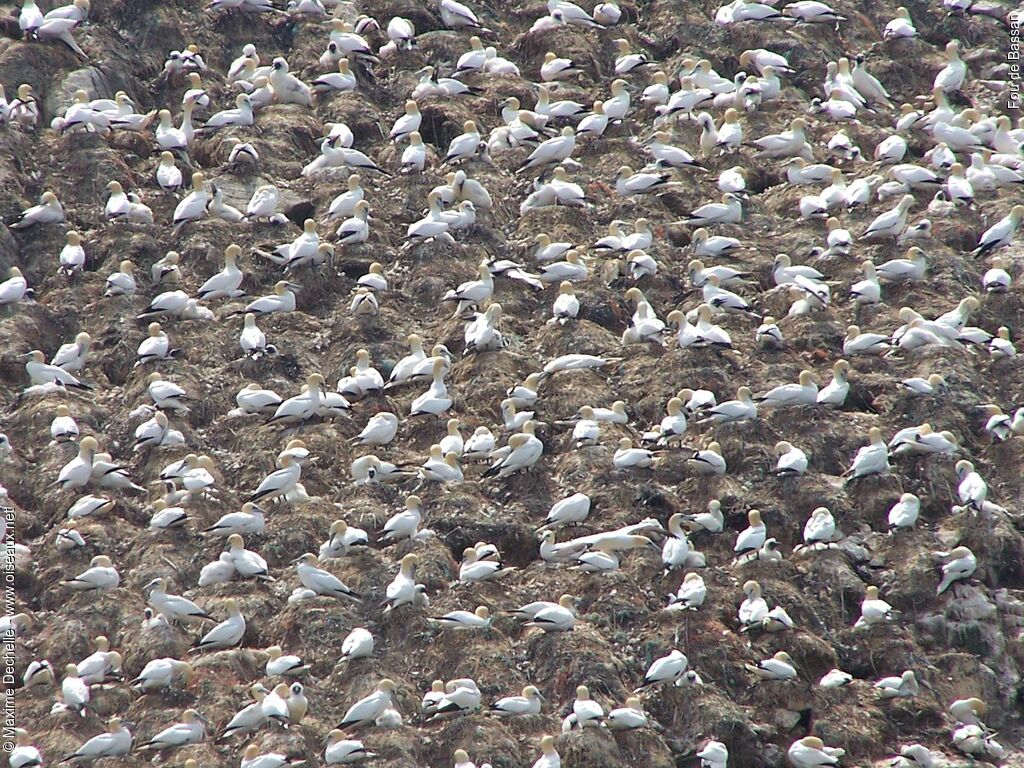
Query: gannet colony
x=463 y=383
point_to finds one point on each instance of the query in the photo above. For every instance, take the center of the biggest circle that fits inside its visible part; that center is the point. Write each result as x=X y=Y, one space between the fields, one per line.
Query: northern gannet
x=1000 y=346
x=1000 y=234
x=974 y=741
x=218 y=209
x=711 y=521
x=275 y=705
x=792 y=461
x=115 y=742
x=478 y=619
x=899 y=686
x=402 y=32
x=428 y=705
x=297 y=704
x=364 y=303
x=174 y=607
x=465 y=145
x=71 y=357
x=30 y=18
x=460 y=697
x=556 y=68
x=789 y=143
x=168 y=177
x=278 y=483
x=101 y=576
x=407 y=124
x=690 y=595
x=804 y=392
x=549 y=757
x=191 y=730
x=74 y=691
x=344 y=205
x=166 y=517
x=254 y=399
x=435 y=401
x=553 y=552
x=912 y=268
x=110 y=475
x=820 y=528
x=586 y=711
x=49 y=211
x=900 y=26
x=857 y=343
x=628 y=457
x=14 y=288
x=379 y=430
x=892 y=223
x=714 y=754
x=252 y=340
x=672 y=427
x=23 y=753
x=77 y=473
x=474 y=568
x=778 y=667
x=729 y=211
x=248 y=520
x=676 y=547
x=229 y=632
x=281 y=300
x=593 y=125
x=403 y=588
x=657 y=94
x=166 y=271
x=873 y=610
x=968 y=711
x=247 y=564
x=951 y=77
x=287 y=88
x=251 y=717
x=358 y=644
x=996 y=279
x=753 y=536
x=769 y=336
x=666 y=669
x=101 y=665
x=193 y=206
x=709 y=461
x=550 y=617
x=342 y=80
x=872 y=459
x=88 y=506
x=342 y=751
x=607 y=13
x=320 y=581
x=163 y=673
x=730 y=133
x=666 y=155
x=722 y=299
x=835 y=678
x=552 y=151
x=529 y=703
x=369 y=708
x=72 y=255
x=960 y=565
x=811 y=752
